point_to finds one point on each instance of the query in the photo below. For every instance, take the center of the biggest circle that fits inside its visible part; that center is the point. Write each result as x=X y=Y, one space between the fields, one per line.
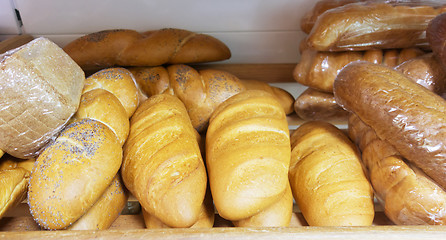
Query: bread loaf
x=247 y=154
x=408 y=116
x=118 y=81
x=427 y=71
x=309 y=18
x=409 y=197
x=277 y=214
x=327 y=179
x=318 y=70
x=14 y=185
x=285 y=98
x=436 y=36
x=200 y=91
x=367 y=25
x=14 y=42
x=205 y=218
x=72 y=173
x=41 y=88
x=163 y=167
x=106 y=209
x=125 y=47
x=312 y=104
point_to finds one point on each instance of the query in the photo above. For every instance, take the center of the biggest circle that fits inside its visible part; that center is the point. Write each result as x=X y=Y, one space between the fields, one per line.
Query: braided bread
x=124 y=47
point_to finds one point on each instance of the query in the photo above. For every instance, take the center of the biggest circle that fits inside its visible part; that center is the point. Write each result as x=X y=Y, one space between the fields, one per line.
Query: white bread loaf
x=41 y=88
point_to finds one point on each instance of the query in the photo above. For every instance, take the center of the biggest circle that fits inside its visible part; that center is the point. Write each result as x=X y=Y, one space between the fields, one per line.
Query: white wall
x=256 y=31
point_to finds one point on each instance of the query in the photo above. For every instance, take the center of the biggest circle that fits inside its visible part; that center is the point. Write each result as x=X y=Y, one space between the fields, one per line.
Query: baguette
x=409 y=197
x=14 y=185
x=72 y=173
x=318 y=70
x=368 y=25
x=37 y=78
x=247 y=154
x=327 y=179
x=312 y=104
x=106 y=209
x=125 y=47
x=162 y=166
x=408 y=116
x=427 y=71
x=200 y=91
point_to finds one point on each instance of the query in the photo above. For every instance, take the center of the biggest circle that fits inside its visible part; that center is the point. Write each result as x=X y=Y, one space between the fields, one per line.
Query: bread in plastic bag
x=374 y=25
x=40 y=87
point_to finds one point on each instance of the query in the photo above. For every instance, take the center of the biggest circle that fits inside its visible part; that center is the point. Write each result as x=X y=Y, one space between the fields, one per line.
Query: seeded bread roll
x=14 y=185
x=247 y=154
x=125 y=47
x=72 y=173
x=405 y=114
x=327 y=179
x=163 y=167
x=41 y=89
x=106 y=209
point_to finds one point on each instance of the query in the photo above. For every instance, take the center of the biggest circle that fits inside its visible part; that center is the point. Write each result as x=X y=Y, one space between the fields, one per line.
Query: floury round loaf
x=41 y=88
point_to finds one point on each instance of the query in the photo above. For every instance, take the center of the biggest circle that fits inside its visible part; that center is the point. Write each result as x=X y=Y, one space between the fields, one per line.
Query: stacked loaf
x=75 y=182
x=398 y=125
x=340 y=32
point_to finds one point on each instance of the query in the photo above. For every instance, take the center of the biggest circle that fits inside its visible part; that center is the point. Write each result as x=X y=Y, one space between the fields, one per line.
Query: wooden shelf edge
x=364 y=233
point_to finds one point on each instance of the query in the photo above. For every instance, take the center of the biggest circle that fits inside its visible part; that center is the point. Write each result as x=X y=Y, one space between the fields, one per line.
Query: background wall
x=256 y=31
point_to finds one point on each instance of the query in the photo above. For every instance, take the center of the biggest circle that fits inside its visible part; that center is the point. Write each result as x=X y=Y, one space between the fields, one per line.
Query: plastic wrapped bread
x=41 y=88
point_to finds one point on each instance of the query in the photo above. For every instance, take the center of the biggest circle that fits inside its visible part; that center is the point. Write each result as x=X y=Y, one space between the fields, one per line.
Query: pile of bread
x=188 y=144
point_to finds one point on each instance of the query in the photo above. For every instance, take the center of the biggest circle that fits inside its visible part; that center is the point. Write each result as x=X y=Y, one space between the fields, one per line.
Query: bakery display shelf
x=19 y=224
